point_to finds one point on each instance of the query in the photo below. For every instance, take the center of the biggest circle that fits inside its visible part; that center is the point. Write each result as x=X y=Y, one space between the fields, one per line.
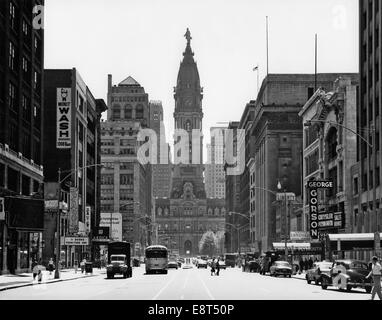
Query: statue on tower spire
x=188 y=36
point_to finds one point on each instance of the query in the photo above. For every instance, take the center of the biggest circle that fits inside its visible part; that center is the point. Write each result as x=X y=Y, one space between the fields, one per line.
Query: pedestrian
x=50 y=266
x=82 y=265
x=305 y=264
x=213 y=266
x=301 y=264
x=217 y=267
x=35 y=269
x=376 y=274
x=310 y=263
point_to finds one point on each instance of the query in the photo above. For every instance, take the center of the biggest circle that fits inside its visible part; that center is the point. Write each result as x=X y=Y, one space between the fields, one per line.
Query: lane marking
x=185 y=282
x=164 y=288
x=205 y=287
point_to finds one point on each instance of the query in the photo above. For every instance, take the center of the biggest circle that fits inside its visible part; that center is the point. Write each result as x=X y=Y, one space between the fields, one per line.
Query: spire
x=188 y=52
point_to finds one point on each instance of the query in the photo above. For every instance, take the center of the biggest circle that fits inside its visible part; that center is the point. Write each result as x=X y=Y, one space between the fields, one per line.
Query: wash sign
x=313 y=186
x=64 y=105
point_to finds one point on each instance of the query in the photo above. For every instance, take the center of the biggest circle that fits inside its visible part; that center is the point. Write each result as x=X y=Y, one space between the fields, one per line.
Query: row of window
x=128 y=99
x=189 y=211
x=124 y=179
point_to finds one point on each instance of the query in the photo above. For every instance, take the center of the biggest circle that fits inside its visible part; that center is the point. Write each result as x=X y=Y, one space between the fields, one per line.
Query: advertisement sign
x=73 y=210
x=51 y=205
x=51 y=191
x=76 y=241
x=2 y=211
x=330 y=220
x=290 y=196
x=64 y=105
x=299 y=235
x=313 y=186
x=115 y=221
x=87 y=219
x=101 y=233
x=27 y=214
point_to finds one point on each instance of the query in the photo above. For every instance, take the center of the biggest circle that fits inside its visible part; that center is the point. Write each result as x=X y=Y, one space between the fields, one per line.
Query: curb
x=33 y=284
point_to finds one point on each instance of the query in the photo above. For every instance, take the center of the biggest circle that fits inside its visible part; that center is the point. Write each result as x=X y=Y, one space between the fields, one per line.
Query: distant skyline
x=145 y=40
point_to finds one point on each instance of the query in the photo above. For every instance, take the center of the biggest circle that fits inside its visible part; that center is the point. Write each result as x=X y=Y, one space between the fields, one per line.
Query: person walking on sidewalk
x=82 y=264
x=50 y=266
x=217 y=266
x=213 y=266
x=34 y=269
x=376 y=274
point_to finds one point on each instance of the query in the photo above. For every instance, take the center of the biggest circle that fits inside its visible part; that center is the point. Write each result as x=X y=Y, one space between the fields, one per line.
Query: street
x=182 y=284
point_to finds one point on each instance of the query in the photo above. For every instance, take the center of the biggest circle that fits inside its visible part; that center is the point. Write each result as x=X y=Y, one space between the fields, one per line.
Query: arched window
x=331 y=144
x=116 y=112
x=128 y=112
x=139 y=113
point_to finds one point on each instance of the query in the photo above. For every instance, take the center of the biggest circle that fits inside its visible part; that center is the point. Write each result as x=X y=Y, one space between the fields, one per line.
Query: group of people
x=215 y=267
x=37 y=268
x=306 y=264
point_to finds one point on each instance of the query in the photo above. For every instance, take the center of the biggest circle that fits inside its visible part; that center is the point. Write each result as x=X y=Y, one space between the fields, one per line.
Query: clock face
x=188 y=102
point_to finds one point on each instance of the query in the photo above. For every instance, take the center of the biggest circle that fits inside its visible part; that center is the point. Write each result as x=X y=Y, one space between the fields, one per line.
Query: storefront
x=22 y=234
x=300 y=250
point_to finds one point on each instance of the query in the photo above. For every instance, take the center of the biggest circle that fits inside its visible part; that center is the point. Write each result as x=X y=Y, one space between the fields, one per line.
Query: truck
x=230 y=259
x=118 y=258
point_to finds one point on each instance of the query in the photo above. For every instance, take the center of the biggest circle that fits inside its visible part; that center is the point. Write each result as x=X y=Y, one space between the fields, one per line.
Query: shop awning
x=292 y=245
x=352 y=237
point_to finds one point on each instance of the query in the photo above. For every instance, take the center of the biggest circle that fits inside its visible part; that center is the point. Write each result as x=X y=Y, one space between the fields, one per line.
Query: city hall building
x=187 y=214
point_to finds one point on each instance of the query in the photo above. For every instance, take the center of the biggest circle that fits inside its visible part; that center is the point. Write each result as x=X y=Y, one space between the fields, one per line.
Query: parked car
x=172 y=265
x=319 y=268
x=281 y=268
x=202 y=264
x=222 y=264
x=348 y=274
x=252 y=266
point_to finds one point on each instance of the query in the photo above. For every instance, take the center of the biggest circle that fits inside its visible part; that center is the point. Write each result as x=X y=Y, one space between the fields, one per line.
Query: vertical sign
x=2 y=210
x=313 y=210
x=87 y=219
x=73 y=213
x=64 y=105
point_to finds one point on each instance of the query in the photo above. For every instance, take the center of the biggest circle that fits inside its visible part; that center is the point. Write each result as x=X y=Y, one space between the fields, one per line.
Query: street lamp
x=58 y=222
x=237 y=228
x=279 y=187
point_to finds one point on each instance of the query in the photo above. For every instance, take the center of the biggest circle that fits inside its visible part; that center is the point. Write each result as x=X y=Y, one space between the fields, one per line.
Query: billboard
x=101 y=233
x=73 y=210
x=64 y=105
x=115 y=221
x=25 y=214
x=76 y=241
x=331 y=220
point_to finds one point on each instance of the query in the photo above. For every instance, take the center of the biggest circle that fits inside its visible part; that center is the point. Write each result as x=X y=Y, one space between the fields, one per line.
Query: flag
x=255 y=68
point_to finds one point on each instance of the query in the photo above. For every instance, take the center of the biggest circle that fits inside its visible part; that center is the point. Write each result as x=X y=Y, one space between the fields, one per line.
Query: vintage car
x=252 y=266
x=172 y=265
x=281 y=268
x=319 y=268
x=201 y=264
x=347 y=274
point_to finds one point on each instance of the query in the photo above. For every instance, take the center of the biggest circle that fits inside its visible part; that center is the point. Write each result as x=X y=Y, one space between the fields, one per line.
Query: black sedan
x=281 y=268
x=172 y=265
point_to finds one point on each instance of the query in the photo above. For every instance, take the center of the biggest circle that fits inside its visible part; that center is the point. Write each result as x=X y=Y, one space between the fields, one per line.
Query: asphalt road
x=187 y=284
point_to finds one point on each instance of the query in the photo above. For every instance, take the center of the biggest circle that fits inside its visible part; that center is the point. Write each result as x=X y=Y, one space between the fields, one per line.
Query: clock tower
x=188 y=97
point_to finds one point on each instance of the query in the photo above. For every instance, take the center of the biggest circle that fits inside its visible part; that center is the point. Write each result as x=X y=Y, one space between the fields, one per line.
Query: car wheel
x=349 y=287
x=368 y=289
x=324 y=283
x=290 y=276
x=308 y=280
x=316 y=282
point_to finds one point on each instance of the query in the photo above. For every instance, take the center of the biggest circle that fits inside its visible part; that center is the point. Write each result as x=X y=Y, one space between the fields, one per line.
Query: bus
x=231 y=259
x=156 y=259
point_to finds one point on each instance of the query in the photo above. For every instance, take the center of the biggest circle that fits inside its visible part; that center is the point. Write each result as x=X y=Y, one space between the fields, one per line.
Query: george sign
x=2 y=210
x=290 y=196
x=299 y=235
x=115 y=221
x=330 y=220
x=320 y=184
x=64 y=105
x=73 y=212
x=76 y=241
x=88 y=219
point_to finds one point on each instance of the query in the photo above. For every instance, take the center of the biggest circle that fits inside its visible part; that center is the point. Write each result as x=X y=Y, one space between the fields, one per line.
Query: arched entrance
x=188 y=247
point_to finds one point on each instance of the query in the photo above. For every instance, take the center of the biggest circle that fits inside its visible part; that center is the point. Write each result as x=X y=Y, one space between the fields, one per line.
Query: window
x=37 y=116
x=12 y=97
x=116 y=112
x=311 y=163
x=126 y=179
x=36 y=82
x=11 y=58
x=12 y=15
x=355 y=185
x=128 y=112
x=13 y=136
x=107 y=179
x=26 y=150
x=139 y=112
x=26 y=68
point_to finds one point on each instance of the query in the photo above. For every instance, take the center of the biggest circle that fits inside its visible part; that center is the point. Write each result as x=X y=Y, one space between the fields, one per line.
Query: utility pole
x=58 y=242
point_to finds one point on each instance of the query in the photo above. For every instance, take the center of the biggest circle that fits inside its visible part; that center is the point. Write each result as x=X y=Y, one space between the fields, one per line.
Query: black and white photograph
x=189 y=156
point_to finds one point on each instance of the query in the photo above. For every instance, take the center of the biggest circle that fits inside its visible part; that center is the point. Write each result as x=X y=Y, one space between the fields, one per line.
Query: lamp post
x=279 y=187
x=238 y=234
x=58 y=222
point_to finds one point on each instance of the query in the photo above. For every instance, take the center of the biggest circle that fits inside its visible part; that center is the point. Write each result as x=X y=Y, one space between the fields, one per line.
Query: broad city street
x=182 y=284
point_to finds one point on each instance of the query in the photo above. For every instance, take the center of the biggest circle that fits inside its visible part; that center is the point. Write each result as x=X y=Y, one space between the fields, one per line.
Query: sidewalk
x=299 y=276
x=10 y=281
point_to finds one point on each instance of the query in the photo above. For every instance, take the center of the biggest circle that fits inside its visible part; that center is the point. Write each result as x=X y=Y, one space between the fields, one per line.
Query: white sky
x=144 y=39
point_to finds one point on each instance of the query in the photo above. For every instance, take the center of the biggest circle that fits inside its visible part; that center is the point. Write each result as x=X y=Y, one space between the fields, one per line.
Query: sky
x=145 y=39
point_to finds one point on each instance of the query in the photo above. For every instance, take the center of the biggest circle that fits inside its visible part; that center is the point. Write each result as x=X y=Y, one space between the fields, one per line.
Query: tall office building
x=72 y=133
x=214 y=173
x=367 y=173
x=21 y=136
x=126 y=186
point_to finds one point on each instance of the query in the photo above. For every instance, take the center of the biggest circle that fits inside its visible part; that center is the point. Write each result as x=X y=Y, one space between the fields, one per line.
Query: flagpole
x=315 y=63
x=267 y=48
